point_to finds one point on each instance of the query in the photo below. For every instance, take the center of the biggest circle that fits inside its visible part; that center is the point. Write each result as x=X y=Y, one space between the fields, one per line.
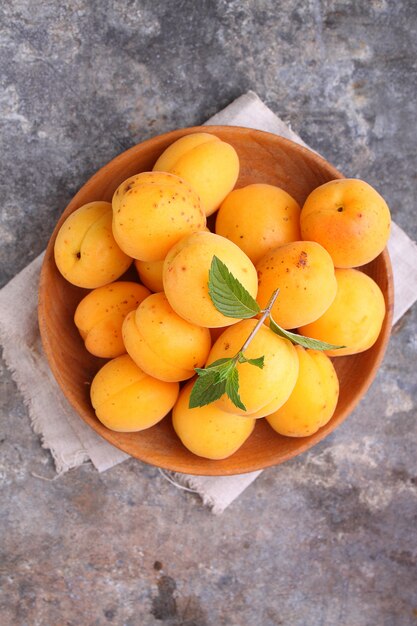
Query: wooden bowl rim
x=212 y=470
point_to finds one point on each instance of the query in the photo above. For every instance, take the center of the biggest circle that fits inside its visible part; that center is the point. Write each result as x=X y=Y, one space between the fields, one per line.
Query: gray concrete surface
x=326 y=539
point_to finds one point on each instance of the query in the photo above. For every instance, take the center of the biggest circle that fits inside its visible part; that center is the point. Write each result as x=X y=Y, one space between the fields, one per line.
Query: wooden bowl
x=264 y=158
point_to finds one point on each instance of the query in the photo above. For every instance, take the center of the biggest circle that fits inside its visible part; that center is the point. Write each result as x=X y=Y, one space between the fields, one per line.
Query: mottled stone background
x=326 y=539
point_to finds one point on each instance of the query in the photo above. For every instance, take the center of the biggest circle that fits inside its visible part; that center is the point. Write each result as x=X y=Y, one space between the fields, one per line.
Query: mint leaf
x=218 y=363
x=306 y=342
x=211 y=382
x=232 y=389
x=206 y=389
x=220 y=368
x=216 y=379
x=228 y=295
x=258 y=362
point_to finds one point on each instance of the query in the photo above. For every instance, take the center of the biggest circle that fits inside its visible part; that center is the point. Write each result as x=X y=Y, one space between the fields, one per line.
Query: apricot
x=349 y=218
x=262 y=391
x=207 y=431
x=85 y=250
x=258 y=218
x=209 y=165
x=355 y=317
x=304 y=273
x=313 y=399
x=186 y=275
x=163 y=344
x=99 y=316
x=152 y=211
x=126 y=399
x=150 y=274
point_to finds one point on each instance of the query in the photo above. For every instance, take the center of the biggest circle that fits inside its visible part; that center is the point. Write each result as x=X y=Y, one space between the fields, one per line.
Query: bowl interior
x=264 y=158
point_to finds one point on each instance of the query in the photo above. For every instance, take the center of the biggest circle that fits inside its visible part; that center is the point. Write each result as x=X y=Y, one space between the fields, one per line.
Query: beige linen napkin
x=69 y=439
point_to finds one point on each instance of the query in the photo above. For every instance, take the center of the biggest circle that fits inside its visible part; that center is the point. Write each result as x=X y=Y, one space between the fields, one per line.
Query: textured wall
x=328 y=538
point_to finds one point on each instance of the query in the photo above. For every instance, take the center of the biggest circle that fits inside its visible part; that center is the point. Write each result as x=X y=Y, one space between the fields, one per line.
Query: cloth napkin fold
x=70 y=441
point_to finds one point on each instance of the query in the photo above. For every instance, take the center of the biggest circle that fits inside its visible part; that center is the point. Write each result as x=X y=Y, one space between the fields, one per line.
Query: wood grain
x=264 y=158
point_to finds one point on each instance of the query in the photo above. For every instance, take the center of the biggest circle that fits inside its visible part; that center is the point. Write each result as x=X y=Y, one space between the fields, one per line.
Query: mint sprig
x=258 y=362
x=206 y=389
x=301 y=340
x=228 y=295
x=231 y=298
x=218 y=378
x=232 y=389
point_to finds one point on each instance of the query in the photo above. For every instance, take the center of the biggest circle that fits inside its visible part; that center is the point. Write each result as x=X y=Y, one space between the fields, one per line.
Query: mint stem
x=265 y=314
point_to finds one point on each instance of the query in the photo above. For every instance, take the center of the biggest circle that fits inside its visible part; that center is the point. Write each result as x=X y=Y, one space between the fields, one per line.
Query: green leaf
x=218 y=362
x=228 y=295
x=258 y=362
x=211 y=382
x=232 y=389
x=306 y=342
x=219 y=368
x=218 y=378
x=206 y=389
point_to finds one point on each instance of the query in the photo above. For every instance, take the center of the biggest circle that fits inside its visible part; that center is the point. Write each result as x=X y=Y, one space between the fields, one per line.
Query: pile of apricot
x=157 y=329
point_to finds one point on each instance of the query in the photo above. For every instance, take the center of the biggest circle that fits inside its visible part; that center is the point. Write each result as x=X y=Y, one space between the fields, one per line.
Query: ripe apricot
x=162 y=343
x=262 y=391
x=354 y=319
x=207 y=431
x=126 y=399
x=150 y=274
x=152 y=211
x=99 y=316
x=209 y=165
x=349 y=218
x=85 y=250
x=304 y=273
x=186 y=275
x=258 y=218
x=313 y=399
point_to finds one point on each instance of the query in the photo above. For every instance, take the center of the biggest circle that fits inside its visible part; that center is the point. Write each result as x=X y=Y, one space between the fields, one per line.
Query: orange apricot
x=313 y=399
x=354 y=319
x=162 y=343
x=152 y=211
x=349 y=218
x=304 y=273
x=100 y=315
x=150 y=274
x=209 y=165
x=258 y=218
x=262 y=391
x=208 y=431
x=186 y=276
x=85 y=249
x=126 y=399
